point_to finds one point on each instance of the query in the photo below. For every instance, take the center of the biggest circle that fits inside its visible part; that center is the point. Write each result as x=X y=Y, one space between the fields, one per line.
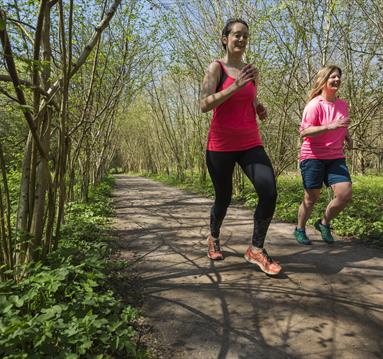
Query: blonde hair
x=320 y=80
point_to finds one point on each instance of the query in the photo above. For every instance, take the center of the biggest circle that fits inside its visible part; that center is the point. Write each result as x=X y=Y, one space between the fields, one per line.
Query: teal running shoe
x=301 y=237
x=324 y=231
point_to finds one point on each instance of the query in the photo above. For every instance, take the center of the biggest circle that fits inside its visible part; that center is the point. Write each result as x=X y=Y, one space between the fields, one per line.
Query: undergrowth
x=64 y=308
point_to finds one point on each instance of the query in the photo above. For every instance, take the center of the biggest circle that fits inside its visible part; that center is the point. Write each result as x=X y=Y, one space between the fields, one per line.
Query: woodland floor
x=327 y=303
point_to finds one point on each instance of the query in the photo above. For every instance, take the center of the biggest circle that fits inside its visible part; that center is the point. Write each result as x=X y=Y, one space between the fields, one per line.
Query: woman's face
x=333 y=82
x=236 y=41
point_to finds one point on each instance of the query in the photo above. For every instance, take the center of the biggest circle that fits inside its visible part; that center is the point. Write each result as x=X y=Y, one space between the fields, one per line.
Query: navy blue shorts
x=316 y=172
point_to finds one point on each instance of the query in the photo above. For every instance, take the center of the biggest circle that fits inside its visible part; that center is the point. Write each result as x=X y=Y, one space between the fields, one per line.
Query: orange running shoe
x=263 y=260
x=214 y=249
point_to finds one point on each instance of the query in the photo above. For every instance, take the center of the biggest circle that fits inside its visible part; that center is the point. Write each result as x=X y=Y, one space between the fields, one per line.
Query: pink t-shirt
x=328 y=145
x=234 y=126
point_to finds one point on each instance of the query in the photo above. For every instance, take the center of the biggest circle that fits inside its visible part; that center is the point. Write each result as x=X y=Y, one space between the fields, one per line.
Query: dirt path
x=328 y=303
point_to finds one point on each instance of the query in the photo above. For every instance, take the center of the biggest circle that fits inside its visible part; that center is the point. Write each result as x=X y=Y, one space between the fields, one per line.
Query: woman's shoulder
x=215 y=64
x=214 y=67
x=313 y=103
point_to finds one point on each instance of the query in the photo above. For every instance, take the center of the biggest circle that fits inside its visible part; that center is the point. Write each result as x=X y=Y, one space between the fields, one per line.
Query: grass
x=362 y=219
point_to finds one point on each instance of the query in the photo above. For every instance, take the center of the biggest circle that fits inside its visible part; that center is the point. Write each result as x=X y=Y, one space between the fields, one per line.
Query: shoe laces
x=216 y=245
x=326 y=226
x=269 y=259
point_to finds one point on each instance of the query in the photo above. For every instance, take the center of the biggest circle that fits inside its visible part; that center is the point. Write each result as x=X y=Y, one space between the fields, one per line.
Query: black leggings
x=257 y=167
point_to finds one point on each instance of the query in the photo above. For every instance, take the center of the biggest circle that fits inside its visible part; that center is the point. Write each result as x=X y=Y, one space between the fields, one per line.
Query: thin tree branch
x=84 y=55
x=7 y=78
x=8 y=55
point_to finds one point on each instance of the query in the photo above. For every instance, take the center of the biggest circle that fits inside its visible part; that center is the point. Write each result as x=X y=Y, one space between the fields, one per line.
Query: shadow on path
x=327 y=303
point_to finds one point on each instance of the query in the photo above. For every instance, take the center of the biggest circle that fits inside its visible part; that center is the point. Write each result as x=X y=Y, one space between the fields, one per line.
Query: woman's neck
x=233 y=60
x=329 y=96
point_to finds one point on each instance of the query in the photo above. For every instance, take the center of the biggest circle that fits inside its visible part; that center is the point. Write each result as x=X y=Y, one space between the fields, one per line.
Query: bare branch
x=7 y=78
x=84 y=55
x=8 y=55
x=6 y=93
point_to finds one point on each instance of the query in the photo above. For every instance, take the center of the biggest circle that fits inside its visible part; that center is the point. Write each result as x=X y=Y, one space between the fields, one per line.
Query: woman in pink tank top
x=230 y=90
x=324 y=129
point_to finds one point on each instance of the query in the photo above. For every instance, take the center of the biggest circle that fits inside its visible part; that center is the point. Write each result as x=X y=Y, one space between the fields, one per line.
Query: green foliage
x=101 y=193
x=362 y=218
x=2 y=24
x=192 y=183
x=63 y=307
x=14 y=178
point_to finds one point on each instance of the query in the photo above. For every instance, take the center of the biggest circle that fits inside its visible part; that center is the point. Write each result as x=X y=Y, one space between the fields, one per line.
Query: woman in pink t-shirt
x=230 y=89
x=324 y=129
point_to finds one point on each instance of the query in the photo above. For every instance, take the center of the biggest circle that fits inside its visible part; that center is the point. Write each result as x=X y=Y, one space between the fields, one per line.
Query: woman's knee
x=343 y=192
x=311 y=197
x=221 y=205
x=226 y=203
x=266 y=204
x=270 y=196
x=345 y=196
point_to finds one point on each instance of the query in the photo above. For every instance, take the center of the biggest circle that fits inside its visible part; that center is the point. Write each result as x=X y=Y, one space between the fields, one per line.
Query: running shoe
x=263 y=261
x=301 y=236
x=324 y=231
x=214 y=249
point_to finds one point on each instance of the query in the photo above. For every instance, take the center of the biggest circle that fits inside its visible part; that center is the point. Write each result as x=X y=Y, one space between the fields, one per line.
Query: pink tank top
x=234 y=126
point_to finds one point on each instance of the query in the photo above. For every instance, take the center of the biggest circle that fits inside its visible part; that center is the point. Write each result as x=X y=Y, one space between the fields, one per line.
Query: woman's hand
x=312 y=131
x=338 y=123
x=210 y=99
x=248 y=73
x=261 y=111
